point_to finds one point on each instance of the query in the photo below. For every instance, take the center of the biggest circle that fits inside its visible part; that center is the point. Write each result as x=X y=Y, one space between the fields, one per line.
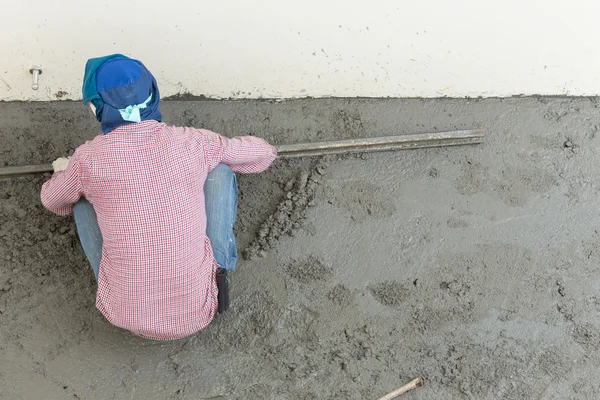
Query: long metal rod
x=402 y=142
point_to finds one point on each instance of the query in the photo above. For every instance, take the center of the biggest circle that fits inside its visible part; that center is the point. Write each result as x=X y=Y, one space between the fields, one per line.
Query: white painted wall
x=284 y=49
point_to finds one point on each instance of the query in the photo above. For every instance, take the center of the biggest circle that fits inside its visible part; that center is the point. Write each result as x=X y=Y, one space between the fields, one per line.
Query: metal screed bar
x=362 y=145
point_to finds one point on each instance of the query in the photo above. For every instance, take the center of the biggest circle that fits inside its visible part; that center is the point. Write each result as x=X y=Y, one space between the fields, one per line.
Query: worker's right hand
x=60 y=164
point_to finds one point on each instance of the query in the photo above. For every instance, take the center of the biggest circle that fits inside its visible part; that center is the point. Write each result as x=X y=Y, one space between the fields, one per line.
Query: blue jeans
x=220 y=194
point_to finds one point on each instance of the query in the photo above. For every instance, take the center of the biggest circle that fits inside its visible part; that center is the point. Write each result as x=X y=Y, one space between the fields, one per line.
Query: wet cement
x=476 y=268
x=291 y=212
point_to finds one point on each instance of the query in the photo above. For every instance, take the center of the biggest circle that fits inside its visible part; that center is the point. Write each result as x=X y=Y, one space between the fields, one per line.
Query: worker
x=154 y=204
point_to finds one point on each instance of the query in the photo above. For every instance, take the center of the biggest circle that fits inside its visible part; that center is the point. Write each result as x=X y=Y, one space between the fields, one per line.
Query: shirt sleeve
x=64 y=188
x=244 y=154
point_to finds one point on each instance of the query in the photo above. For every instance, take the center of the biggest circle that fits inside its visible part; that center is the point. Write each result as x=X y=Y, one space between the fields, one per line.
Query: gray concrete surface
x=475 y=268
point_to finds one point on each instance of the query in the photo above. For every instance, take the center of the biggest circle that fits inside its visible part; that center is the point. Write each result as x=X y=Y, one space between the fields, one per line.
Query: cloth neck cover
x=124 y=91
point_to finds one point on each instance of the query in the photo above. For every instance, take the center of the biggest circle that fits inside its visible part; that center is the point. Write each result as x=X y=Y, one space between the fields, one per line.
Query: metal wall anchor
x=36 y=71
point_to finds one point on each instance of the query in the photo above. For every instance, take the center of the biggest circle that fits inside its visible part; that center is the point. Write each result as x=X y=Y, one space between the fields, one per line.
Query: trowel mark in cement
x=362 y=200
x=309 y=270
x=513 y=186
x=389 y=293
x=290 y=213
x=254 y=321
x=340 y=295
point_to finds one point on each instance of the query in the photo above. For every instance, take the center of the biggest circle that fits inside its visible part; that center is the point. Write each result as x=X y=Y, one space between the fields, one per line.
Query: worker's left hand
x=60 y=164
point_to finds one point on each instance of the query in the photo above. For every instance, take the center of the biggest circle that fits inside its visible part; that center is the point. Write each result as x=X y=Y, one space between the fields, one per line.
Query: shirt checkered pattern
x=146 y=183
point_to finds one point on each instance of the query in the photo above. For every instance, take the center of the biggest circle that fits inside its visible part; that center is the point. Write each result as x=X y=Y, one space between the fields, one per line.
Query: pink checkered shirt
x=146 y=182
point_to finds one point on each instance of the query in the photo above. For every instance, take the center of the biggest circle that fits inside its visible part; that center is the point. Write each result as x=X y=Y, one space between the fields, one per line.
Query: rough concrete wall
x=476 y=268
x=274 y=49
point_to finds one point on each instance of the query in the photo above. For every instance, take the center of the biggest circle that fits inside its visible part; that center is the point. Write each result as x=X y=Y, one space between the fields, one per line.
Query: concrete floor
x=475 y=268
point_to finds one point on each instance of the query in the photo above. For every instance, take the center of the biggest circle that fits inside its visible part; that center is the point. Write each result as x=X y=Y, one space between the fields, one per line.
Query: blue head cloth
x=122 y=90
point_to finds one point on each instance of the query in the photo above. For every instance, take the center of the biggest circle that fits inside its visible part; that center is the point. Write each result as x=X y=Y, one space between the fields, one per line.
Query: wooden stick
x=415 y=383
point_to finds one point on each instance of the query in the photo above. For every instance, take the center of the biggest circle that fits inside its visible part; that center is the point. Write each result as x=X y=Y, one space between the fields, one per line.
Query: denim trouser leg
x=89 y=232
x=221 y=194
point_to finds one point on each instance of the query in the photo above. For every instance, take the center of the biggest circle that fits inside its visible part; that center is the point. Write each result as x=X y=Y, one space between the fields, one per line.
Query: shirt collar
x=147 y=126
